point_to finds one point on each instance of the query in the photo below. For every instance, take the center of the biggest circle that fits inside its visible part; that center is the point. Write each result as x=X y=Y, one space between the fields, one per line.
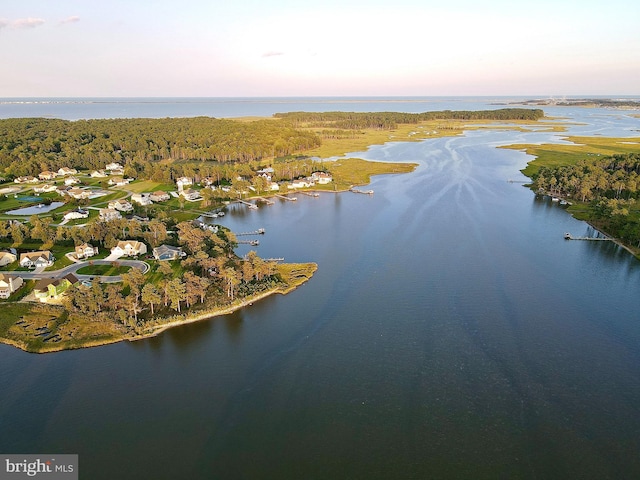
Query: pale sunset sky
x=318 y=48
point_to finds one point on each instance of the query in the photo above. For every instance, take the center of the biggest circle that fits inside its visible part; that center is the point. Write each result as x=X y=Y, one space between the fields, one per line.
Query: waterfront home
x=78 y=193
x=76 y=214
x=142 y=198
x=168 y=252
x=9 y=284
x=64 y=171
x=108 y=214
x=53 y=287
x=85 y=250
x=273 y=186
x=113 y=166
x=299 y=184
x=6 y=258
x=190 y=195
x=26 y=179
x=98 y=174
x=121 y=205
x=47 y=175
x=42 y=258
x=129 y=248
x=44 y=188
x=159 y=196
x=321 y=178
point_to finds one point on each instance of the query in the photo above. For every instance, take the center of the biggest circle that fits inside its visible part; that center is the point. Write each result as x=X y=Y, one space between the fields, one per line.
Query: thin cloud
x=72 y=19
x=27 y=23
x=272 y=54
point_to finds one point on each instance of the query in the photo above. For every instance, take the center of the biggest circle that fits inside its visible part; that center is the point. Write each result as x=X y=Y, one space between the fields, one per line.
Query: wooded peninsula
x=138 y=188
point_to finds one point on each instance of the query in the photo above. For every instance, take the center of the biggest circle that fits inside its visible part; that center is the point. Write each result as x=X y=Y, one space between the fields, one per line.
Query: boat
x=567 y=236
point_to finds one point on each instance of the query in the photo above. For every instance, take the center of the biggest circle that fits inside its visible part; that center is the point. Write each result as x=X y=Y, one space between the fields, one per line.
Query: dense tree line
x=29 y=146
x=611 y=186
x=390 y=120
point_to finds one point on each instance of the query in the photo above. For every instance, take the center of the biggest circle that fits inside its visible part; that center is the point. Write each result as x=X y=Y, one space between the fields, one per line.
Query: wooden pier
x=289 y=199
x=366 y=192
x=265 y=200
x=260 y=231
x=248 y=204
x=568 y=236
x=249 y=242
x=311 y=194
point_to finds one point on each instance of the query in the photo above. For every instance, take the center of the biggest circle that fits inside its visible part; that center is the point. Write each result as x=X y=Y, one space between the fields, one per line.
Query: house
x=42 y=258
x=53 y=287
x=167 y=252
x=273 y=186
x=119 y=181
x=121 y=206
x=71 y=180
x=85 y=250
x=129 y=248
x=113 y=166
x=142 y=198
x=108 y=214
x=44 y=188
x=159 y=196
x=47 y=175
x=6 y=258
x=183 y=182
x=321 y=178
x=9 y=284
x=78 y=193
x=63 y=171
x=299 y=184
x=63 y=190
x=191 y=195
x=26 y=179
x=98 y=174
x=76 y=214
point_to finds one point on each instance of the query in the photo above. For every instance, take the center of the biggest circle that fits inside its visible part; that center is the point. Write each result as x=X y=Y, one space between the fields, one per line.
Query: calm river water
x=449 y=332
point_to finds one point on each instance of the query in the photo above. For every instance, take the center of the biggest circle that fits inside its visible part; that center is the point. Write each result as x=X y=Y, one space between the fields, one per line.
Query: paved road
x=140 y=265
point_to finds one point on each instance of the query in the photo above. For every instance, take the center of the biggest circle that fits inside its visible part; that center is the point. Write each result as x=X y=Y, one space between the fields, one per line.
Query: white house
x=321 y=178
x=75 y=214
x=99 y=174
x=121 y=205
x=42 y=258
x=108 y=214
x=78 y=193
x=113 y=166
x=44 y=188
x=142 y=198
x=273 y=186
x=47 y=175
x=9 y=284
x=191 y=195
x=6 y=258
x=71 y=180
x=129 y=248
x=299 y=184
x=119 y=181
x=26 y=179
x=63 y=171
x=85 y=250
x=159 y=196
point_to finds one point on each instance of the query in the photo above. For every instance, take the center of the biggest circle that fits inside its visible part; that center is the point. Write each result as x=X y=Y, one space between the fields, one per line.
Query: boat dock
x=568 y=236
x=260 y=231
x=311 y=194
x=284 y=197
x=265 y=200
x=367 y=192
x=248 y=204
x=249 y=242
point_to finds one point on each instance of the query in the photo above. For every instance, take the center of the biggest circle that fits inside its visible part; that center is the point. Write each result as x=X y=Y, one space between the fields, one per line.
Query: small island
x=108 y=228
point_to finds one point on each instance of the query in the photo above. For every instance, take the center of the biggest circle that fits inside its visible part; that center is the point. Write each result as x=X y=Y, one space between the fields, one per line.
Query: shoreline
x=156 y=330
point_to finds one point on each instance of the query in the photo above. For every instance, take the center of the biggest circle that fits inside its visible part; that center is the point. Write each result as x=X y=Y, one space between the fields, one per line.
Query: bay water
x=449 y=332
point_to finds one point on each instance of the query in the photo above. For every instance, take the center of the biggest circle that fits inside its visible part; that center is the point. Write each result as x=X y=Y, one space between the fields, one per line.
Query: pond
x=35 y=209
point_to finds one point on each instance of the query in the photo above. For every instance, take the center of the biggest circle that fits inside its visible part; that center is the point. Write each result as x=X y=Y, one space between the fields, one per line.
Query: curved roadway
x=140 y=265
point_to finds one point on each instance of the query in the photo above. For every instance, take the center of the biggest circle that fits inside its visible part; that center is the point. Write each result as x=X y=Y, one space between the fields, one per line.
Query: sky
x=260 y=48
